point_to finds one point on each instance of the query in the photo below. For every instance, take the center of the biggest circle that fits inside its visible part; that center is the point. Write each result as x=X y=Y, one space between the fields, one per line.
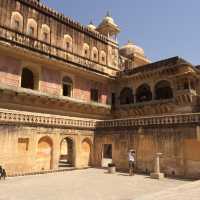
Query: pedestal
x=157 y=174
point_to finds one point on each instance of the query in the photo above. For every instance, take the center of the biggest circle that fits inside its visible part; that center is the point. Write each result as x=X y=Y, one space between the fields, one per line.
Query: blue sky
x=164 y=28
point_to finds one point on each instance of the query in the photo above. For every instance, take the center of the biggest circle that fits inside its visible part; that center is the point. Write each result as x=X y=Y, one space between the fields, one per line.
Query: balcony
x=36 y=100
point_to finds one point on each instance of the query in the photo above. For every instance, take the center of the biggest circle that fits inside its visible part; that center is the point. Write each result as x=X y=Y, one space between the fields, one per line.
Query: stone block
x=157 y=175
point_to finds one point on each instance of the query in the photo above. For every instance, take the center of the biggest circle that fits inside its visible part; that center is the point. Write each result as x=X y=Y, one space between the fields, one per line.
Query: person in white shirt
x=131 y=161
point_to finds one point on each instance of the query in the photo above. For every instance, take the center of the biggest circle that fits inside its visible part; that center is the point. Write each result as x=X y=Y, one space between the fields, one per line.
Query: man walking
x=131 y=161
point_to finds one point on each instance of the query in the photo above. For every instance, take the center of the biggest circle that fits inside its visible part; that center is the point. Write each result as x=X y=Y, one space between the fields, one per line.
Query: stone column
x=157 y=174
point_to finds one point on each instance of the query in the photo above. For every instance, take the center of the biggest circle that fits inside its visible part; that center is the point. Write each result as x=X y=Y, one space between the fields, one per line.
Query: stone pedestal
x=111 y=170
x=157 y=174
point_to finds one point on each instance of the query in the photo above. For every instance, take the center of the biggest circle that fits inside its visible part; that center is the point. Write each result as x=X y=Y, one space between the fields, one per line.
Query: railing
x=43 y=119
x=189 y=118
x=39 y=119
x=23 y=40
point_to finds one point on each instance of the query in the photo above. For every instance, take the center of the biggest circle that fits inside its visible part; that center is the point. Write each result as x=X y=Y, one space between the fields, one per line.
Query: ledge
x=35 y=93
x=146 y=103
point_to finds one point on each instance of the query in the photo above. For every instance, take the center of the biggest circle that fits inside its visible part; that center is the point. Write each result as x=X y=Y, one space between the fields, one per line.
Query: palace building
x=70 y=96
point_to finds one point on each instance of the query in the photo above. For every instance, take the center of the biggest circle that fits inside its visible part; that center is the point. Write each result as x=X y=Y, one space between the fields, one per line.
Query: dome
x=108 y=20
x=91 y=26
x=130 y=48
x=108 y=27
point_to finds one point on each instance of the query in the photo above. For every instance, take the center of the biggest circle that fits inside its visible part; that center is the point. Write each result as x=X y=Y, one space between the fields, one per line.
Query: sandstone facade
x=68 y=92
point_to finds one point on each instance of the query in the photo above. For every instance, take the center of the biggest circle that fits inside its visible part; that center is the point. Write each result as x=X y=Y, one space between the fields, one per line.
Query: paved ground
x=89 y=184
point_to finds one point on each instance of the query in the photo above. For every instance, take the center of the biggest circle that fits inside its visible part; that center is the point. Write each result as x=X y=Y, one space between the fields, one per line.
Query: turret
x=134 y=53
x=108 y=27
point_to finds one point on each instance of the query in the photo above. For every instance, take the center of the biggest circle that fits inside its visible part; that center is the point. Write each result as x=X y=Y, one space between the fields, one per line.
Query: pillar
x=157 y=174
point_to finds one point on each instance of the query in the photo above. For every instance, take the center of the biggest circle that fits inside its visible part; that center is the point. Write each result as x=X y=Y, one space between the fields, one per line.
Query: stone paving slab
x=88 y=184
x=190 y=191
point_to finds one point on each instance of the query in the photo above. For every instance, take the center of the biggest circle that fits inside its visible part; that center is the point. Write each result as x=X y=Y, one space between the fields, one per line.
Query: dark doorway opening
x=107 y=151
x=27 y=79
x=66 y=153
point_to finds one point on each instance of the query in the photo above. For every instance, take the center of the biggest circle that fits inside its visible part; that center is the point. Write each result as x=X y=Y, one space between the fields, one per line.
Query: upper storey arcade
x=166 y=86
x=39 y=28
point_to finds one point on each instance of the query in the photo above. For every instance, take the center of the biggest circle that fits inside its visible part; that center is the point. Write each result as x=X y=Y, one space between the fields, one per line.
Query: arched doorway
x=126 y=96
x=86 y=152
x=143 y=93
x=44 y=153
x=66 y=153
x=163 y=90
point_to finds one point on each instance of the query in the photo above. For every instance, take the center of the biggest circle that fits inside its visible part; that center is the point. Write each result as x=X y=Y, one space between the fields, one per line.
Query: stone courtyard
x=95 y=184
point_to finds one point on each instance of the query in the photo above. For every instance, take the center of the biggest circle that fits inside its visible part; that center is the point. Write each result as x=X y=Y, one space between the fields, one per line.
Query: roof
x=151 y=66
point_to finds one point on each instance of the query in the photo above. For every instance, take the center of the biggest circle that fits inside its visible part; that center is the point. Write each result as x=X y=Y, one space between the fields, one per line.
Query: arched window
x=17 y=21
x=126 y=96
x=27 y=79
x=94 y=95
x=67 y=42
x=86 y=50
x=143 y=93
x=163 y=90
x=103 y=57
x=67 y=86
x=95 y=54
x=32 y=27
x=45 y=33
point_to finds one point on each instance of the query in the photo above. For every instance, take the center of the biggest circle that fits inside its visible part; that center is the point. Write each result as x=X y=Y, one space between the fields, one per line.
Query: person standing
x=131 y=161
x=1 y=171
x=4 y=175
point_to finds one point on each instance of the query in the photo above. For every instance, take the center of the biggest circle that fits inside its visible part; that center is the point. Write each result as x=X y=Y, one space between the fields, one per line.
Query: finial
x=108 y=14
x=130 y=42
x=91 y=22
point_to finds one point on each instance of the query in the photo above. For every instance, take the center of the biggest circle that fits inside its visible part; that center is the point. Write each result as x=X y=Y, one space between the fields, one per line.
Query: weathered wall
x=178 y=145
x=83 y=86
x=9 y=70
x=49 y=81
x=26 y=149
x=58 y=28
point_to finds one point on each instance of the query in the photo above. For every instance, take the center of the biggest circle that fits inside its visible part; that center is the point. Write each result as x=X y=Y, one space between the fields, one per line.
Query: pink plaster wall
x=82 y=90
x=9 y=71
x=50 y=81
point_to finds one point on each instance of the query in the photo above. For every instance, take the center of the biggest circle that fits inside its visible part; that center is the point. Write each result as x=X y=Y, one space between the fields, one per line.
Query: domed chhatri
x=135 y=53
x=130 y=48
x=108 y=19
x=108 y=26
x=91 y=26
